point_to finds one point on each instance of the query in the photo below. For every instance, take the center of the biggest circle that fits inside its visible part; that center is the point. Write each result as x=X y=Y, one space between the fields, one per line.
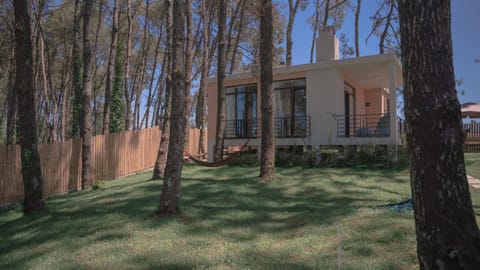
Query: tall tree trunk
x=188 y=67
x=447 y=233
x=201 y=112
x=111 y=67
x=267 y=162
x=151 y=90
x=315 y=28
x=31 y=172
x=117 y=107
x=12 y=105
x=292 y=11
x=76 y=74
x=162 y=154
x=238 y=38
x=128 y=100
x=86 y=128
x=326 y=14
x=384 y=34
x=219 y=132
x=170 y=196
x=357 y=16
x=142 y=68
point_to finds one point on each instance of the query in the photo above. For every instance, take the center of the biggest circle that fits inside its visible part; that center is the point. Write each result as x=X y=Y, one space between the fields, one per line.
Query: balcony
x=285 y=127
x=363 y=125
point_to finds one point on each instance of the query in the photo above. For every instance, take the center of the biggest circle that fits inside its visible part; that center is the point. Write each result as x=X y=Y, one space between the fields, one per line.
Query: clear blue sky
x=465 y=31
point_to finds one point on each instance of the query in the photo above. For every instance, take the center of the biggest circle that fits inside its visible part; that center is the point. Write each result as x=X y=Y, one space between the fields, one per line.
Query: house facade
x=331 y=102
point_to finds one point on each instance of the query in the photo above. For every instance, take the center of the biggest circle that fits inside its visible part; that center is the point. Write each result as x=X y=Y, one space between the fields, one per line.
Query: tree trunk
x=86 y=128
x=151 y=90
x=188 y=67
x=219 y=132
x=170 y=196
x=326 y=14
x=238 y=38
x=111 y=68
x=267 y=162
x=76 y=74
x=128 y=100
x=162 y=155
x=315 y=28
x=384 y=34
x=142 y=68
x=202 y=91
x=31 y=172
x=447 y=233
x=292 y=8
x=357 y=16
x=117 y=107
x=12 y=105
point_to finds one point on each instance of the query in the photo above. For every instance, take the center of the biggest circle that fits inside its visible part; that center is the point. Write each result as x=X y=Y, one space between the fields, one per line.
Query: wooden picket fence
x=112 y=156
x=472 y=142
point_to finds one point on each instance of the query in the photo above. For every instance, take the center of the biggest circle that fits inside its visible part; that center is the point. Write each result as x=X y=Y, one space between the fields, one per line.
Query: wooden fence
x=112 y=156
x=472 y=142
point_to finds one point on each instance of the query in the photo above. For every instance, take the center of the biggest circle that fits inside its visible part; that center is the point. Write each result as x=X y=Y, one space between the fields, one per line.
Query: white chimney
x=327 y=44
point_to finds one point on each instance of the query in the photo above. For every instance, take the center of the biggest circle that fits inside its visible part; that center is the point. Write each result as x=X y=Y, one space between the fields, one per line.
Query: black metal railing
x=241 y=128
x=292 y=127
x=363 y=125
x=285 y=127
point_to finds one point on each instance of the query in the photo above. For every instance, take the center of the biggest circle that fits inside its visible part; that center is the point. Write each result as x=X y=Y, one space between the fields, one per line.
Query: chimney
x=327 y=45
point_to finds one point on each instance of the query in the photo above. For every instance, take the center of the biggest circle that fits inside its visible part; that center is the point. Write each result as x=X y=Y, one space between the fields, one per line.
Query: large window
x=290 y=108
x=241 y=111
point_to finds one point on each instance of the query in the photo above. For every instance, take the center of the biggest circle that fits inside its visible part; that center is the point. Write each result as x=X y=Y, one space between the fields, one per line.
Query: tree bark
x=267 y=162
x=76 y=74
x=385 y=29
x=292 y=11
x=162 y=155
x=447 y=233
x=128 y=100
x=315 y=28
x=111 y=67
x=86 y=128
x=219 y=132
x=31 y=172
x=170 y=196
x=357 y=16
x=326 y=14
x=240 y=28
x=201 y=112
x=188 y=67
x=12 y=105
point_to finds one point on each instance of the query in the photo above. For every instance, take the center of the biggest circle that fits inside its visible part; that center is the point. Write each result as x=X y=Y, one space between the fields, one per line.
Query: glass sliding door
x=241 y=111
x=290 y=108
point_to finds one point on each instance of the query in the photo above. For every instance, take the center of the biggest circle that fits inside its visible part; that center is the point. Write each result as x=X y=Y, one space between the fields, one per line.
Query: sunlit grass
x=472 y=161
x=229 y=220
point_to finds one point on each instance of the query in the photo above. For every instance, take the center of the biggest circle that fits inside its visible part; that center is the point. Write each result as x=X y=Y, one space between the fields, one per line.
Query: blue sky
x=465 y=32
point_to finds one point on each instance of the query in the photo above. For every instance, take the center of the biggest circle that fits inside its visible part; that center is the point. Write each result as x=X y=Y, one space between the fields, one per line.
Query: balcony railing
x=363 y=125
x=292 y=127
x=285 y=127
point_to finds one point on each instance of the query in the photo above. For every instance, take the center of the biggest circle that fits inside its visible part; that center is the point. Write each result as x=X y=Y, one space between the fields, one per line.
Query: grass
x=230 y=220
x=472 y=162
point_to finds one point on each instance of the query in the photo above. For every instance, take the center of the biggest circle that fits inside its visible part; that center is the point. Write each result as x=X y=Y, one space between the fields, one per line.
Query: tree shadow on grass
x=238 y=207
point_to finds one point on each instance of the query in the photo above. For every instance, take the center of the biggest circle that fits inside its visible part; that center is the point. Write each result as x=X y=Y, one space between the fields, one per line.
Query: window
x=241 y=111
x=290 y=108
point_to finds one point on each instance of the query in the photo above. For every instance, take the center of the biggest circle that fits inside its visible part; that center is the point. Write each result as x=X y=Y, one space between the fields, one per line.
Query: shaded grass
x=229 y=220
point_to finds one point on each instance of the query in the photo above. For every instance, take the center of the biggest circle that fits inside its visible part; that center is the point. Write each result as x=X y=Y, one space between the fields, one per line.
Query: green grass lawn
x=472 y=161
x=230 y=220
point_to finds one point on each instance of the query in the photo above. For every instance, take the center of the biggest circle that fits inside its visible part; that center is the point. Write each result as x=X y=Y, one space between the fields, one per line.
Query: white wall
x=325 y=98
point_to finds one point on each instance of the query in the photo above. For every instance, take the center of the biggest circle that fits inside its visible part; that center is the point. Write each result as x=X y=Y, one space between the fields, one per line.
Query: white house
x=331 y=102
